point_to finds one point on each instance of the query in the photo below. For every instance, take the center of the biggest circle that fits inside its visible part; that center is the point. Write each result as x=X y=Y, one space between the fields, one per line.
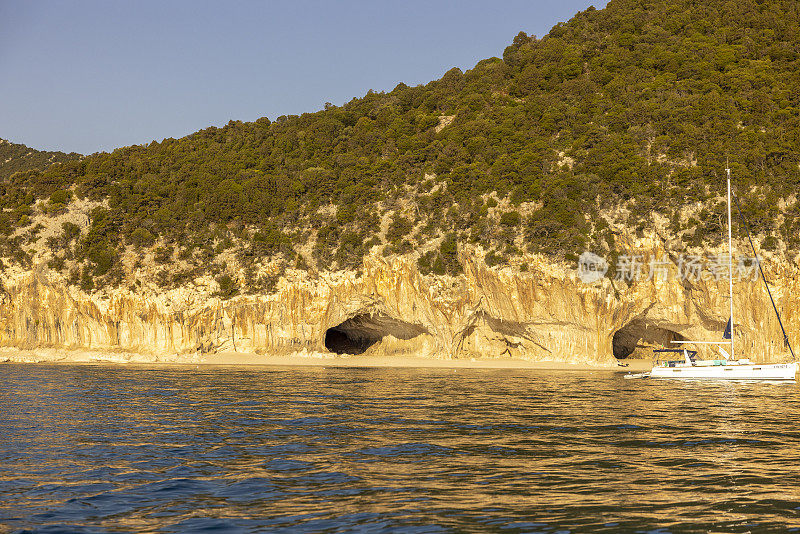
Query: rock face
x=544 y=314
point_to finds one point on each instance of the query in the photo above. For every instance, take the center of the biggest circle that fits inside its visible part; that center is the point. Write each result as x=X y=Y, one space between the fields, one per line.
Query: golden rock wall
x=545 y=314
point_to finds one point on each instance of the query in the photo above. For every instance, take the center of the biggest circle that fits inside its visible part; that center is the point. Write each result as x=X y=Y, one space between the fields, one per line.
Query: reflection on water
x=103 y=448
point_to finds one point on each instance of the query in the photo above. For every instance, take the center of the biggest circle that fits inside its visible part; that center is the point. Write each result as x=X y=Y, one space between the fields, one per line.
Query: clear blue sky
x=86 y=76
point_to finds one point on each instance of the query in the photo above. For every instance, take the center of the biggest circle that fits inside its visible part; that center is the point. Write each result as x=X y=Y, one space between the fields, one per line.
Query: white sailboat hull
x=770 y=371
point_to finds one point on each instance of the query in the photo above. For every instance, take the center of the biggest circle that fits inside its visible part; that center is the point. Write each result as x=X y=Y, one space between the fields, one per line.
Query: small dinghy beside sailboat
x=682 y=363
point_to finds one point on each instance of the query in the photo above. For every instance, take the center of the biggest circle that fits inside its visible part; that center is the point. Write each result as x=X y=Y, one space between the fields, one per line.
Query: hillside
x=16 y=158
x=620 y=117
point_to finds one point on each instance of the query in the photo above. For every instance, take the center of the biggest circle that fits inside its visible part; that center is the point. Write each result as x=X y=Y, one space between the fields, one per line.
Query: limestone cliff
x=544 y=314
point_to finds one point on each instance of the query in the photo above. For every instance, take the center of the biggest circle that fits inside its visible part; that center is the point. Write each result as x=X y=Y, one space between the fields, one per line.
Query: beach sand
x=401 y=361
x=303 y=358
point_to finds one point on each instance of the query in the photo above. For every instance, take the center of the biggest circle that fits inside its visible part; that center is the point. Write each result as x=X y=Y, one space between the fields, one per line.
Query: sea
x=127 y=448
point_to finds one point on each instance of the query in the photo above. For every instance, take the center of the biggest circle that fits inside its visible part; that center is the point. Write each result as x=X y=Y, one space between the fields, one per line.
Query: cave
x=638 y=337
x=357 y=334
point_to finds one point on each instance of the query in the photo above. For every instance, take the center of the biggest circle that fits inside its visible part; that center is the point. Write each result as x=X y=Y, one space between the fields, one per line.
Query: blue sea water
x=103 y=448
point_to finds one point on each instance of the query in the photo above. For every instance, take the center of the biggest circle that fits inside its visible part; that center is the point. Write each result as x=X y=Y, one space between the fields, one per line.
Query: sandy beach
x=62 y=356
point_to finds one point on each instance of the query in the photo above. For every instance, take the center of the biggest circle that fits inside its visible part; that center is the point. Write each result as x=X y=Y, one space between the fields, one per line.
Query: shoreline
x=299 y=359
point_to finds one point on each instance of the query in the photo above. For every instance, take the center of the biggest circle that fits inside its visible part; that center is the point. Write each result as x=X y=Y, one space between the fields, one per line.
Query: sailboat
x=682 y=363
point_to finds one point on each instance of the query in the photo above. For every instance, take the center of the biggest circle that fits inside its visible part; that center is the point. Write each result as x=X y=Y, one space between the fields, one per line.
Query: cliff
x=544 y=314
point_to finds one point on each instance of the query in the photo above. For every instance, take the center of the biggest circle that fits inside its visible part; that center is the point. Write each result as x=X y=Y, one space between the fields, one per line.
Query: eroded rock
x=546 y=314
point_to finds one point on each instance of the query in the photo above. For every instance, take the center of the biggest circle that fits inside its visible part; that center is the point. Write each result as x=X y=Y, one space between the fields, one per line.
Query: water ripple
x=154 y=449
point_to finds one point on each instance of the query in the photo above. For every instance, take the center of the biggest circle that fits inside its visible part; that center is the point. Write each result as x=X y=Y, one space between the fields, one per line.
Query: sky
x=87 y=76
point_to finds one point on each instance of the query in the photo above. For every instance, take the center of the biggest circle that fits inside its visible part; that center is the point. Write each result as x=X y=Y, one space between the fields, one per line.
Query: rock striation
x=544 y=314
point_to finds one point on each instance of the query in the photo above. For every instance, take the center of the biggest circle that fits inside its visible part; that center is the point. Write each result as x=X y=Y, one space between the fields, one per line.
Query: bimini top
x=692 y=353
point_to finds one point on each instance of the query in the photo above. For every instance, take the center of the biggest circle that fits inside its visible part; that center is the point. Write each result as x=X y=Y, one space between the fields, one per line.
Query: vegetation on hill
x=618 y=113
x=16 y=158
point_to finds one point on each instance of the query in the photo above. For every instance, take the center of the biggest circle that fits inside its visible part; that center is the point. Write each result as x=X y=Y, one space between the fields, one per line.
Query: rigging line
x=763 y=277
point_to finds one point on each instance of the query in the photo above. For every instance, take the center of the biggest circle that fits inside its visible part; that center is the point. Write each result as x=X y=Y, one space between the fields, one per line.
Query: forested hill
x=18 y=158
x=618 y=113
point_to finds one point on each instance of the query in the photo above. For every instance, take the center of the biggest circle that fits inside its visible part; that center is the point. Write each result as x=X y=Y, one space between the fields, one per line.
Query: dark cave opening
x=359 y=333
x=337 y=340
x=638 y=337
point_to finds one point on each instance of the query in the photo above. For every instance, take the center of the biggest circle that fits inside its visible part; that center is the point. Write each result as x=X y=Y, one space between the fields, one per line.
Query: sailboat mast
x=730 y=260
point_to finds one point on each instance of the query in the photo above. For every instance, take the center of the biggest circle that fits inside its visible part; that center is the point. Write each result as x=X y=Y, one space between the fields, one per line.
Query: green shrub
x=399 y=228
x=163 y=255
x=69 y=232
x=493 y=258
x=141 y=237
x=228 y=287
x=86 y=280
x=60 y=197
x=510 y=218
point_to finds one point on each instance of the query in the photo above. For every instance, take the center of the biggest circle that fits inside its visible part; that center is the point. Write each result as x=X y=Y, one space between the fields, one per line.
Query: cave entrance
x=638 y=337
x=357 y=334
